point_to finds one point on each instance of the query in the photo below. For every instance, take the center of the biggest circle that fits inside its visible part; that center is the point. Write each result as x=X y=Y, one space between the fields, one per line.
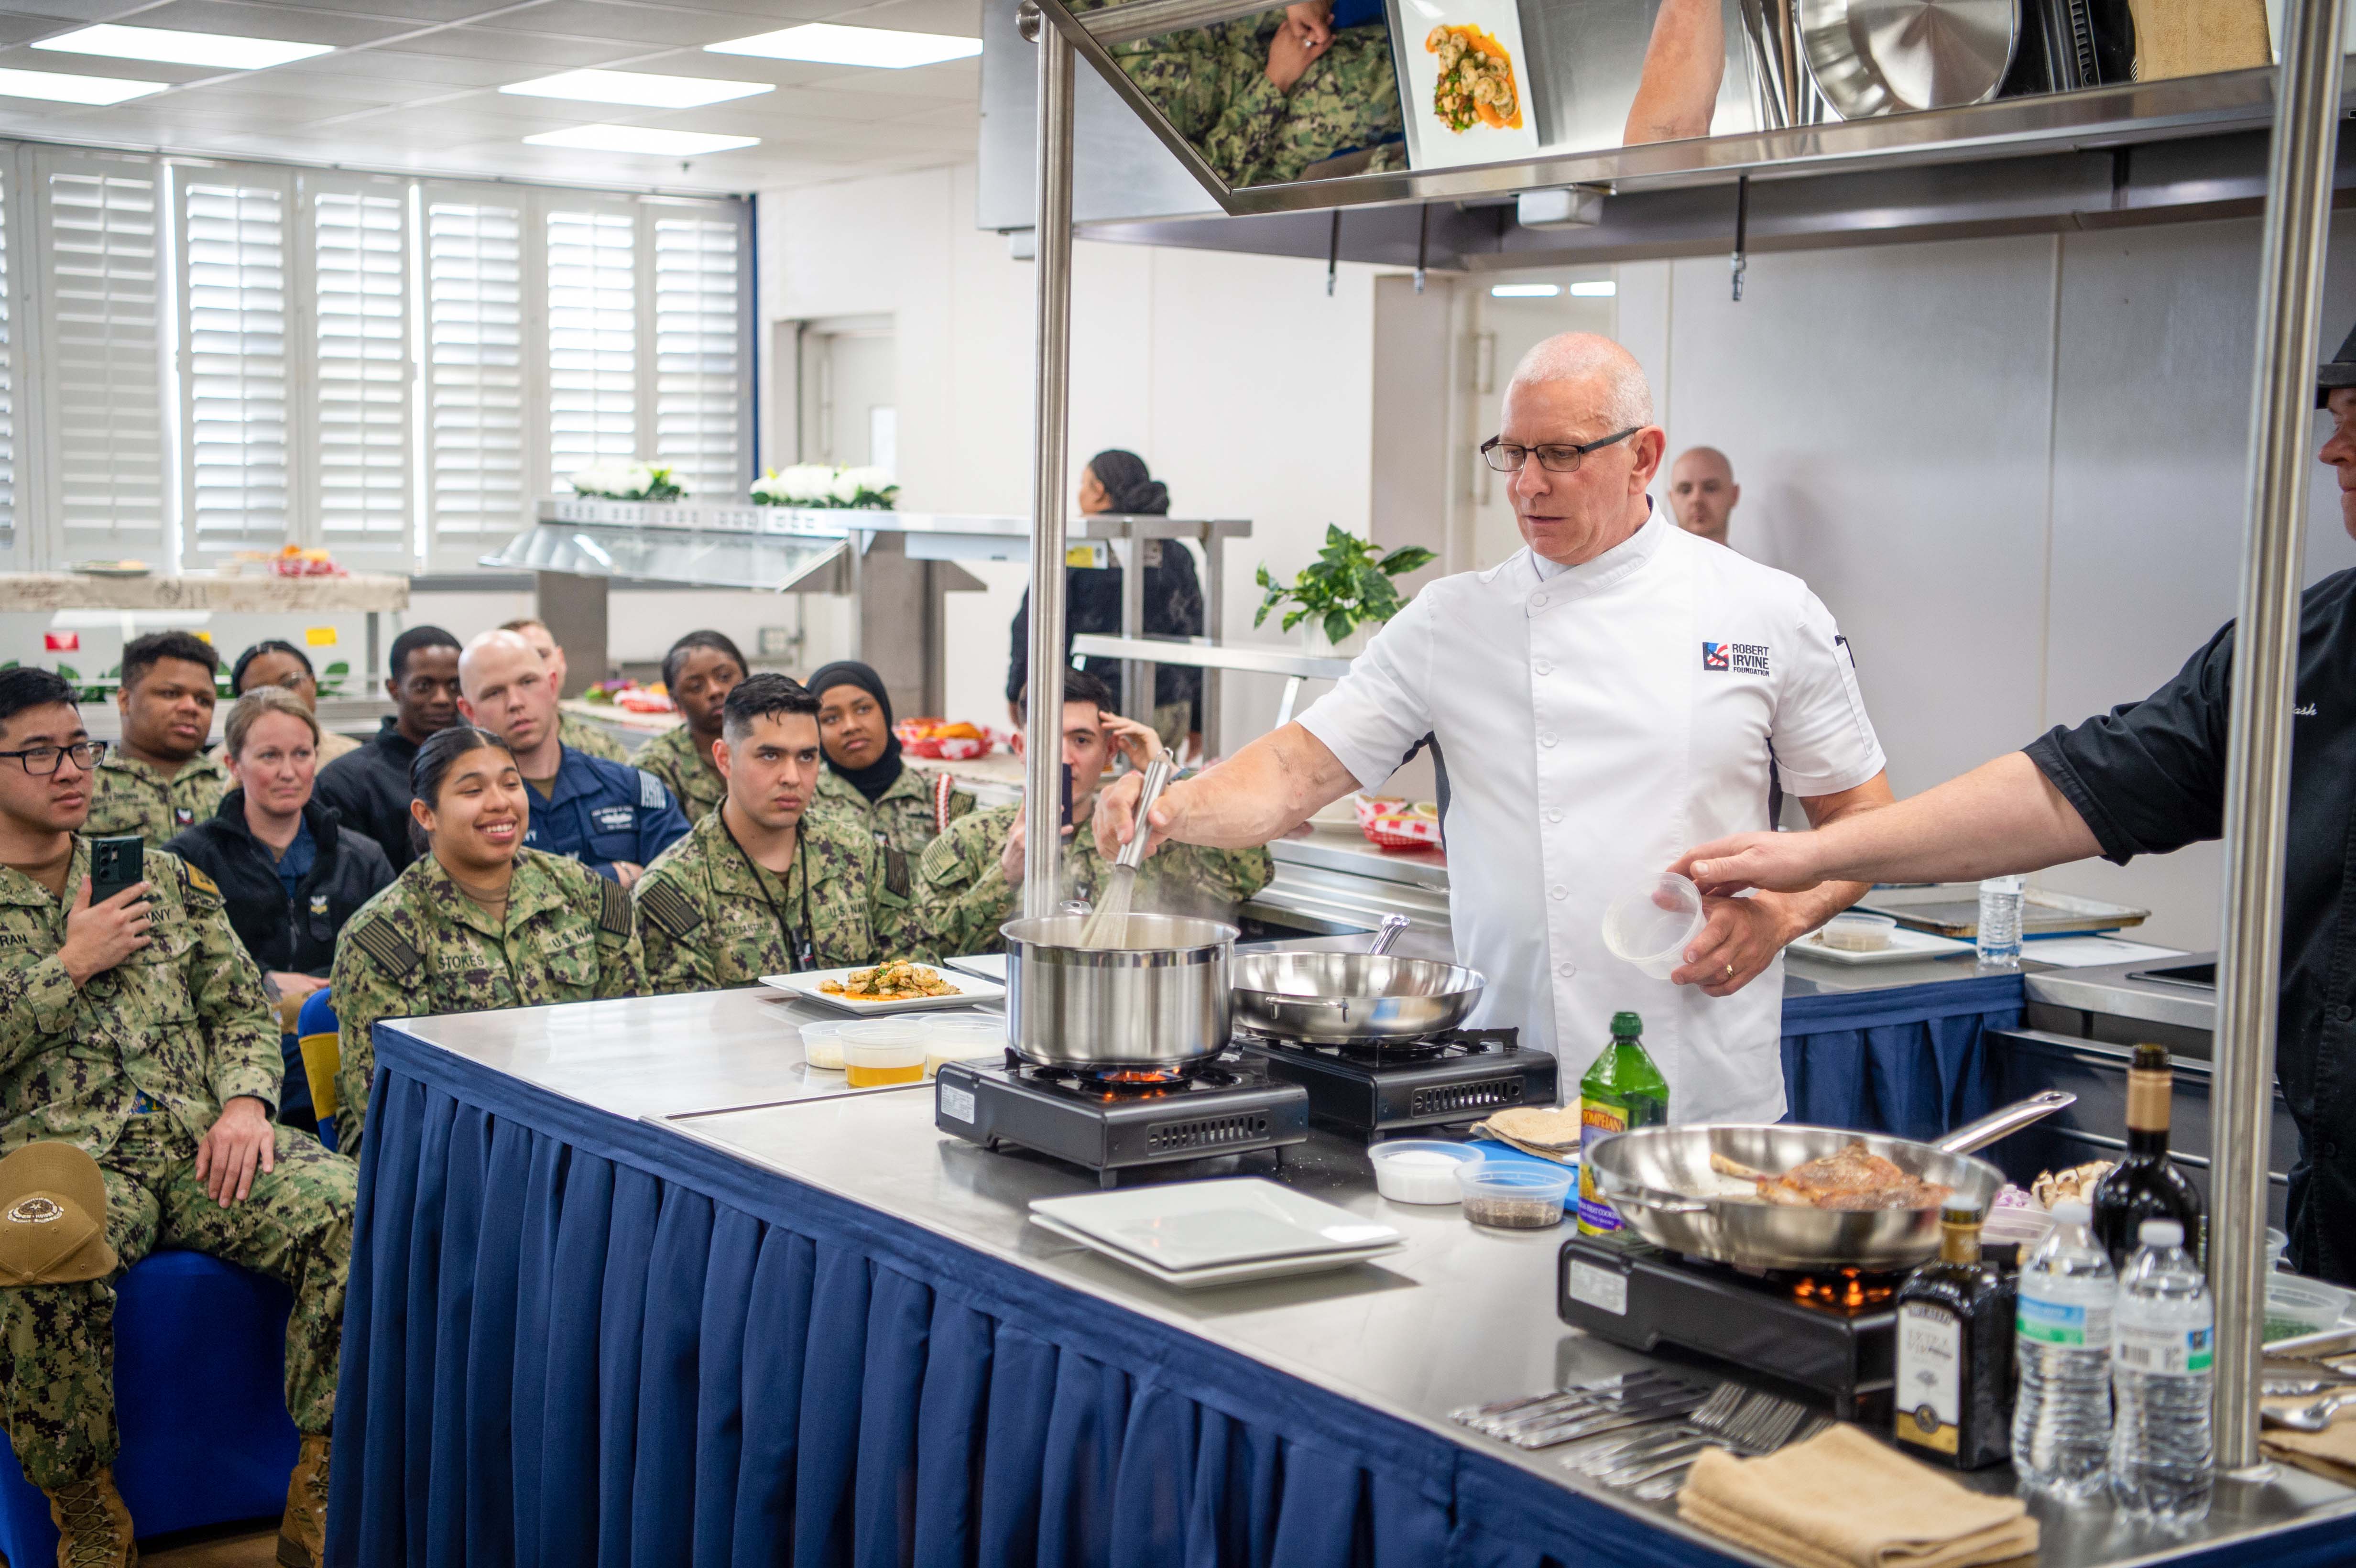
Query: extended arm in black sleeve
x=2149 y=777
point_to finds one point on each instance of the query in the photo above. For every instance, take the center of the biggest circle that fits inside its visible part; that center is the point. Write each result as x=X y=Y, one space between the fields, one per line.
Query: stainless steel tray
x=1952 y=909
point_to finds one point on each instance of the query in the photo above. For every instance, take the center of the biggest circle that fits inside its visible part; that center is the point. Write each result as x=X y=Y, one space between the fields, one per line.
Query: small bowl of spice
x=1510 y=1195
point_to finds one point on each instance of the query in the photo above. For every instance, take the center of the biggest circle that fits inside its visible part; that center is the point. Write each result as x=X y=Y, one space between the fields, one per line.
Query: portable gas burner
x=1452 y=1077
x=1111 y=1121
x=1833 y=1335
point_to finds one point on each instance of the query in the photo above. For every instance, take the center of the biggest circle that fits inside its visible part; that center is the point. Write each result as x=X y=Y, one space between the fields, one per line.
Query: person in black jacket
x=290 y=873
x=370 y=787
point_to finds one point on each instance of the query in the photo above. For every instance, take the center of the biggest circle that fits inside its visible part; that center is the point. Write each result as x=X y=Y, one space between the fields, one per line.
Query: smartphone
x=116 y=863
x=1067 y=796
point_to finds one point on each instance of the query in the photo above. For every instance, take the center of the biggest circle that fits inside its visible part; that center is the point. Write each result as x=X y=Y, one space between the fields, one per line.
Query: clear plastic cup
x=1650 y=924
x=822 y=1044
x=1855 y=932
x=1512 y=1195
x=882 y=1050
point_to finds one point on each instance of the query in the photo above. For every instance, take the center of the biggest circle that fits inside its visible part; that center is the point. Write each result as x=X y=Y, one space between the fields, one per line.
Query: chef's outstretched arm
x=2002 y=817
x=1266 y=789
x=1742 y=936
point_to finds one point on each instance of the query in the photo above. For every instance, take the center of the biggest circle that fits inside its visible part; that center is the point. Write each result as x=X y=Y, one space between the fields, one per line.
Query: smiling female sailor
x=1600 y=696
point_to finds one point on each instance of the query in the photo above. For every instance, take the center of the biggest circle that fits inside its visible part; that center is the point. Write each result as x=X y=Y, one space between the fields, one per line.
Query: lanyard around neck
x=800 y=951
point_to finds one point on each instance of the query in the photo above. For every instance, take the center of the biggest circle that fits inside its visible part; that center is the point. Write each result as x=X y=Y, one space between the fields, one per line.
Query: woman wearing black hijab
x=864 y=777
x=1118 y=481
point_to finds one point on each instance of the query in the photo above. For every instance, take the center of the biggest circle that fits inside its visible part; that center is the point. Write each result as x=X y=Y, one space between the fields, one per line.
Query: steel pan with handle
x=1652 y=1177
x=1337 y=998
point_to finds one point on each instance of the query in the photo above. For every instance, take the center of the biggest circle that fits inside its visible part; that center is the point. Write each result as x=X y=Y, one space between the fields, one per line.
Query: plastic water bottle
x=2161 y=1370
x=2061 y=1407
x=2000 y=938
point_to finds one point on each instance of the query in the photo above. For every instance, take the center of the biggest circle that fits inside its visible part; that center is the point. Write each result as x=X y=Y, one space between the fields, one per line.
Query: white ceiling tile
x=296 y=24
x=427 y=73
x=532 y=53
x=960 y=17
x=632 y=24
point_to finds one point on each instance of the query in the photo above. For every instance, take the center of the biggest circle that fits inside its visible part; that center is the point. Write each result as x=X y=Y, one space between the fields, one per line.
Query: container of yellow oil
x=877 y=1051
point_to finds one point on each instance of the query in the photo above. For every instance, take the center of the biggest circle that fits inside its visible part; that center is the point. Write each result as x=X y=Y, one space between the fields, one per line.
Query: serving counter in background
x=643 y=1303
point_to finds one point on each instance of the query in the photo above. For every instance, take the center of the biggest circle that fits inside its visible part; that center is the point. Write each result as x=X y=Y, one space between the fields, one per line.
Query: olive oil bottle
x=1624 y=1089
x=1954 y=1351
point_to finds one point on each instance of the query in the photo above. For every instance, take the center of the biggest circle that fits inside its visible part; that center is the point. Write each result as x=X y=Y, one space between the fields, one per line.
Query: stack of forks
x=1587 y=1410
x=1651 y=1466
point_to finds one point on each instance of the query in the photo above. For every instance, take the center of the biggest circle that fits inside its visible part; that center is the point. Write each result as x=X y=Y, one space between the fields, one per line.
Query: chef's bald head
x=1626 y=397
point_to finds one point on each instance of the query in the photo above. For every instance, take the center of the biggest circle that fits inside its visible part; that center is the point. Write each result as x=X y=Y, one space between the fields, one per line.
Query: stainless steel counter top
x=2112 y=989
x=1462 y=1316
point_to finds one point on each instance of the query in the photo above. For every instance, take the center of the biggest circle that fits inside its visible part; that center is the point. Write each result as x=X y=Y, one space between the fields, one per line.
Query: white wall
x=2013 y=467
x=1246 y=388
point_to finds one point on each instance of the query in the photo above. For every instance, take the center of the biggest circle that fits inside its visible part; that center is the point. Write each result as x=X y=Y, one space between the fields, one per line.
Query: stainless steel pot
x=1334 y=999
x=1650 y=1176
x=1159 y=1001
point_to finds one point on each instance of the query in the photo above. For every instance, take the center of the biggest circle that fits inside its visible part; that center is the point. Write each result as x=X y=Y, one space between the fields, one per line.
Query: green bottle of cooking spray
x=1624 y=1089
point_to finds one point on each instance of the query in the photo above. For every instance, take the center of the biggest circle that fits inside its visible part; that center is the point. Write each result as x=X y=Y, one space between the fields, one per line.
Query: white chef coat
x=1599 y=721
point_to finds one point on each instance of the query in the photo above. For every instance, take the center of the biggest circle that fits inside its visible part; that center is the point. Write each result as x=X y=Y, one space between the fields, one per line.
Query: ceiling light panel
x=1525 y=291
x=640 y=139
x=644 y=88
x=167 y=46
x=824 y=43
x=63 y=87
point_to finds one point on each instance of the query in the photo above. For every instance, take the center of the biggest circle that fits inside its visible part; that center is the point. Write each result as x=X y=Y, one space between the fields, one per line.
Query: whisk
x=1109 y=925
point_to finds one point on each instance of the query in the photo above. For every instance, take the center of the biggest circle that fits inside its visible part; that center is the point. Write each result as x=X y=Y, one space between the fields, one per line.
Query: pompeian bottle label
x=1930 y=1377
x=1597 y=1120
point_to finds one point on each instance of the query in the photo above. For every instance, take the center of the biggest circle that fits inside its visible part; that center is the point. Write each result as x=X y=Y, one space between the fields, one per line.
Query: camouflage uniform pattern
x=129 y=796
x=422 y=946
x=675 y=758
x=900 y=818
x=583 y=736
x=965 y=897
x=134 y=1066
x=705 y=922
x=1212 y=84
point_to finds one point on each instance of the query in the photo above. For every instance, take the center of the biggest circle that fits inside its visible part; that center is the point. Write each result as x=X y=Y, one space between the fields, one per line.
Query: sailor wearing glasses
x=1601 y=695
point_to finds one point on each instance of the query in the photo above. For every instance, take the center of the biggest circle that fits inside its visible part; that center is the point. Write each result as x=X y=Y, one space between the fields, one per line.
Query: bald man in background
x=1702 y=493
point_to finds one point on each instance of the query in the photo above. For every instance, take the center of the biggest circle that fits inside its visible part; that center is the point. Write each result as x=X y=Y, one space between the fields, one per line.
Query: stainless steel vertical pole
x=1042 y=731
x=2265 y=659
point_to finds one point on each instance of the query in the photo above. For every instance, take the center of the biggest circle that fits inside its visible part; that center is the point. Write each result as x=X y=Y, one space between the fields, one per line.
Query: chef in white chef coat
x=1610 y=694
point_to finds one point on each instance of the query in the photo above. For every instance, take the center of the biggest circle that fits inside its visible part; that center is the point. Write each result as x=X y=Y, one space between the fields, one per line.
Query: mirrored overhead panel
x=1330 y=102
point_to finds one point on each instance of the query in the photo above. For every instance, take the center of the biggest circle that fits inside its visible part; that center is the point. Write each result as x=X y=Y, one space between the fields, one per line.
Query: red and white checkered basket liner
x=1398 y=824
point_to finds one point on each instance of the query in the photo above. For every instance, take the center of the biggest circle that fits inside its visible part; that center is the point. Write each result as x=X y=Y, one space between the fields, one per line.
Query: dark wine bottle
x=2145 y=1184
x=1954 y=1351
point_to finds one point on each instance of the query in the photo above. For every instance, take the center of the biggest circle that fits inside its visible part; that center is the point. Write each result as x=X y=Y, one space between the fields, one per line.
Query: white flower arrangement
x=626 y=482
x=823 y=485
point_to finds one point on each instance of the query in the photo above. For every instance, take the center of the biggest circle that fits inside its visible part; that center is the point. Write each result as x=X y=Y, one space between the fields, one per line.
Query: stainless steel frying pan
x=1334 y=999
x=1651 y=1177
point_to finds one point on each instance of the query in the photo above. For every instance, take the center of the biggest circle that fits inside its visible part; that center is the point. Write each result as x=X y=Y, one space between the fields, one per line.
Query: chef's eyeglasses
x=43 y=761
x=1556 y=457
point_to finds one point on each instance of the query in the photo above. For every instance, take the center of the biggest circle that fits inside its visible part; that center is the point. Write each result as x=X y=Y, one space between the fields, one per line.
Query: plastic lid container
x=2300 y=1306
x=1859 y=932
x=1512 y=1195
x=884 y=1042
x=822 y=1044
x=962 y=1037
x=1420 y=1170
x=1649 y=925
x=2278 y=1248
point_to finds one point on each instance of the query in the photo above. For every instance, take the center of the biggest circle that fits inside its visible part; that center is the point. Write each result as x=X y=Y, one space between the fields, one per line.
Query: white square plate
x=1903 y=944
x=1232 y=1273
x=1187 y=1225
x=970 y=988
x=990 y=966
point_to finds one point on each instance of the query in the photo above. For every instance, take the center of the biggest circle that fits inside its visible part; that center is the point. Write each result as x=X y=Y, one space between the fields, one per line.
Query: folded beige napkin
x=1844 y=1500
x=2330 y=1453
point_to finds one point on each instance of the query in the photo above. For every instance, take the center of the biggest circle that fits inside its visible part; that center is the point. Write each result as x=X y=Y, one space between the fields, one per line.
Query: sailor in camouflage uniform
x=866 y=779
x=970 y=881
x=137 y=1031
x=1264 y=97
x=700 y=671
x=571 y=730
x=160 y=779
x=477 y=922
x=763 y=886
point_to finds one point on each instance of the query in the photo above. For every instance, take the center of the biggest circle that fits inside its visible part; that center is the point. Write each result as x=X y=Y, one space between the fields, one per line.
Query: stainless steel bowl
x=1889 y=57
x=1334 y=999
x=1161 y=1001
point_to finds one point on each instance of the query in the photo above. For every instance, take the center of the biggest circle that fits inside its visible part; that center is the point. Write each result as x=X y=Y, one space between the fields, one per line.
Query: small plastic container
x=822 y=1044
x=2278 y=1249
x=1649 y=925
x=956 y=1037
x=1420 y=1170
x=1859 y=932
x=876 y=1051
x=2296 y=1305
x=1512 y=1195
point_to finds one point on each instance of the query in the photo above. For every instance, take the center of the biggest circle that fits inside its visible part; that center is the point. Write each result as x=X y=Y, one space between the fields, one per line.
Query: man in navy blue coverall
x=611 y=816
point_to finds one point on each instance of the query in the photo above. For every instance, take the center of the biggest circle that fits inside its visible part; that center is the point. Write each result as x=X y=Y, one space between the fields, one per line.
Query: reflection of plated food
x=893 y=982
x=1475 y=86
x=1854 y=1179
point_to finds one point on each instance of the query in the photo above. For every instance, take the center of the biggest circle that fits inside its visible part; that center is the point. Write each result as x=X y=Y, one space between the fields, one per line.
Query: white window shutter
x=593 y=337
x=102 y=380
x=234 y=320
x=474 y=374
x=359 y=271
x=699 y=401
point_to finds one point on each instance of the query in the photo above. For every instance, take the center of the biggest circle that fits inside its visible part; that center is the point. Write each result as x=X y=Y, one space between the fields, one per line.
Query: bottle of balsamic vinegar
x=2145 y=1184
x=1954 y=1351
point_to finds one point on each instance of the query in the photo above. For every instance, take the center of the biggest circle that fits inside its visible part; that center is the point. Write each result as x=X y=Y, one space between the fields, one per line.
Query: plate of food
x=895 y=986
x=1466 y=83
x=111 y=568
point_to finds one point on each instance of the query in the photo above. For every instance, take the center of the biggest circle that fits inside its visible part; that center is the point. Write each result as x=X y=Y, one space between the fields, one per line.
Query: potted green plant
x=1348 y=586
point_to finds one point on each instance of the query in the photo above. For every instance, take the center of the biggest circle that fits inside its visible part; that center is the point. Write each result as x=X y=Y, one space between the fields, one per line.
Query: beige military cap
x=52 y=1217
